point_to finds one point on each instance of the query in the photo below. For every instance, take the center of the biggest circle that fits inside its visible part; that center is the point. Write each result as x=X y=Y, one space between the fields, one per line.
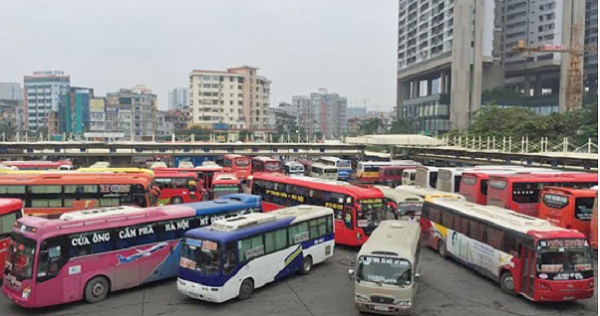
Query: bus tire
x=306 y=265
x=96 y=289
x=507 y=282
x=246 y=289
x=442 y=249
x=176 y=200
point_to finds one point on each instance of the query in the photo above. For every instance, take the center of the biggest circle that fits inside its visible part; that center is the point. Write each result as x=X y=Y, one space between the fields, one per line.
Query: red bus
x=51 y=195
x=520 y=192
x=594 y=225
x=223 y=184
x=266 y=164
x=37 y=165
x=358 y=210
x=205 y=173
x=10 y=211
x=392 y=175
x=568 y=208
x=240 y=165
x=525 y=255
x=474 y=183
x=178 y=187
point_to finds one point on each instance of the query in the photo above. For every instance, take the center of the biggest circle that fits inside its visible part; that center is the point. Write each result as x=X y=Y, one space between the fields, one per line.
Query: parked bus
x=368 y=171
x=266 y=164
x=117 y=170
x=474 y=184
x=233 y=257
x=37 y=165
x=344 y=166
x=205 y=173
x=426 y=177
x=594 y=225
x=568 y=208
x=392 y=175
x=87 y=254
x=323 y=171
x=306 y=163
x=525 y=255
x=223 y=184
x=179 y=187
x=402 y=204
x=358 y=210
x=426 y=192
x=409 y=176
x=520 y=192
x=292 y=168
x=387 y=269
x=50 y=195
x=240 y=165
x=10 y=211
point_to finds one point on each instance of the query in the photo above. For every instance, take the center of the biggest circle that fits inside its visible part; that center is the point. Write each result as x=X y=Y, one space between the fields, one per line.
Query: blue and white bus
x=344 y=166
x=234 y=256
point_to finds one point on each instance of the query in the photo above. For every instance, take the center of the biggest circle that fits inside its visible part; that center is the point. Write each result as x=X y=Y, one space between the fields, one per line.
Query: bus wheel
x=246 y=289
x=176 y=200
x=442 y=249
x=306 y=265
x=96 y=289
x=507 y=283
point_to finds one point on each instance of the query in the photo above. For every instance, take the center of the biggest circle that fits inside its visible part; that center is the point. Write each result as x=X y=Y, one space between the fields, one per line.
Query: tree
x=494 y=121
x=371 y=126
x=245 y=135
x=403 y=126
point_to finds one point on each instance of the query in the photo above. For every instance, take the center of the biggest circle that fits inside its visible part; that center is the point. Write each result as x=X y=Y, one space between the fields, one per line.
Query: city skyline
x=300 y=47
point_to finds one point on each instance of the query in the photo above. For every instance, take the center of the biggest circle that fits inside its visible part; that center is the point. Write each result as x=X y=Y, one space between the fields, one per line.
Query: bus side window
x=348 y=214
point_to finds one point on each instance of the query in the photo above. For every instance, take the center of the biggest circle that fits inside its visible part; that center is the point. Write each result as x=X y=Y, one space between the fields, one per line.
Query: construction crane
x=574 y=88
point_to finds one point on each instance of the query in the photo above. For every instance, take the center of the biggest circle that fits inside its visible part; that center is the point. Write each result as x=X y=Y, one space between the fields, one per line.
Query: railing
x=523 y=145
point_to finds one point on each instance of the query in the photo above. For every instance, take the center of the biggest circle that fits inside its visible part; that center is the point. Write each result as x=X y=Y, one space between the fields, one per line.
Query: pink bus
x=87 y=254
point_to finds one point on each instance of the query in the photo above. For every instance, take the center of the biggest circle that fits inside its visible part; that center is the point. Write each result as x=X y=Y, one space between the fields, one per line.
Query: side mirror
x=351 y=274
x=417 y=276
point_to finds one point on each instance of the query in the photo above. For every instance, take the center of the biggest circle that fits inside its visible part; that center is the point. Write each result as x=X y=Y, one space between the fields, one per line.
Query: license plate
x=381 y=308
x=568 y=298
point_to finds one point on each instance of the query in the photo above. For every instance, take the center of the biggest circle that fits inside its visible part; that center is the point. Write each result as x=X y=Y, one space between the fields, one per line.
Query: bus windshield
x=564 y=260
x=273 y=166
x=224 y=189
x=242 y=162
x=20 y=256
x=200 y=255
x=372 y=213
x=583 y=208
x=381 y=270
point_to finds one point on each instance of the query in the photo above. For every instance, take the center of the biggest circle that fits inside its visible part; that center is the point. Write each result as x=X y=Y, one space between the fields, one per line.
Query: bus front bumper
x=563 y=296
x=384 y=309
x=17 y=297
x=199 y=291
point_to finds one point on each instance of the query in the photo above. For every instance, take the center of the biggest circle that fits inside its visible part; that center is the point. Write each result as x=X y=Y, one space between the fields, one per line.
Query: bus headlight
x=404 y=303
x=362 y=298
x=358 y=236
x=26 y=293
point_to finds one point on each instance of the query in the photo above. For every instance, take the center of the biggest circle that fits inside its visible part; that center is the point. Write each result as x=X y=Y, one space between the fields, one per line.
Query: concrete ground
x=446 y=288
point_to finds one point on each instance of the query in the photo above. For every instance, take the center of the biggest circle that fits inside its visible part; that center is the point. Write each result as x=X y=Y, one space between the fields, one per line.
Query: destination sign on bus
x=226 y=187
x=563 y=243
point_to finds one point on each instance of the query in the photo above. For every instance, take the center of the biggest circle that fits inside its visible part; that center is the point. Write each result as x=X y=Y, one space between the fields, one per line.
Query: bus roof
x=426 y=192
x=571 y=191
x=117 y=170
x=544 y=176
x=393 y=238
x=72 y=178
x=399 y=196
x=100 y=212
x=234 y=156
x=391 y=163
x=293 y=163
x=322 y=184
x=226 y=177
x=502 y=217
x=26 y=163
x=10 y=205
x=264 y=158
x=240 y=227
x=172 y=174
x=322 y=165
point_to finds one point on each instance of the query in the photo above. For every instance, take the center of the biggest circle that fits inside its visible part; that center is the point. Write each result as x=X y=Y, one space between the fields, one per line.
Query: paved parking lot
x=446 y=288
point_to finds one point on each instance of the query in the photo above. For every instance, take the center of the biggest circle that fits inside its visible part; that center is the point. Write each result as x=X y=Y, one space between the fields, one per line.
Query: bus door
x=50 y=281
x=344 y=227
x=528 y=270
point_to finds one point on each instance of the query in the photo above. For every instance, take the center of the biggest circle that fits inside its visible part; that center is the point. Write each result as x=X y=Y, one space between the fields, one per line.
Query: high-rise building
x=11 y=91
x=237 y=97
x=322 y=112
x=132 y=112
x=44 y=91
x=74 y=111
x=178 y=98
x=451 y=51
x=591 y=38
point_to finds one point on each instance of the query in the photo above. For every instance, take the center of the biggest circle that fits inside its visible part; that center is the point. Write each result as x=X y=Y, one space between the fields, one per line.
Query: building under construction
x=440 y=87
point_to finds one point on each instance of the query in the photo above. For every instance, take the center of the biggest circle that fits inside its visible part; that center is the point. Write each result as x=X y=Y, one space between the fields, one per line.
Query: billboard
x=97 y=105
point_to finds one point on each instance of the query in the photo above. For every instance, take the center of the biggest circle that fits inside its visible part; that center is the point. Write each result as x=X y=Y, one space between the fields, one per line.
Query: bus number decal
x=96 y=238
x=74 y=270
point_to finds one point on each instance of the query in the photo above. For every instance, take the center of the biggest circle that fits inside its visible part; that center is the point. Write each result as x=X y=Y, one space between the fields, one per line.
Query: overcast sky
x=347 y=46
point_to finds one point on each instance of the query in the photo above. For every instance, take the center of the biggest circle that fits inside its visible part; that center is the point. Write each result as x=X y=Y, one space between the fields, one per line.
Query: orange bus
x=567 y=207
x=240 y=165
x=178 y=187
x=205 y=173
x=50 y=195
x=10 y=211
